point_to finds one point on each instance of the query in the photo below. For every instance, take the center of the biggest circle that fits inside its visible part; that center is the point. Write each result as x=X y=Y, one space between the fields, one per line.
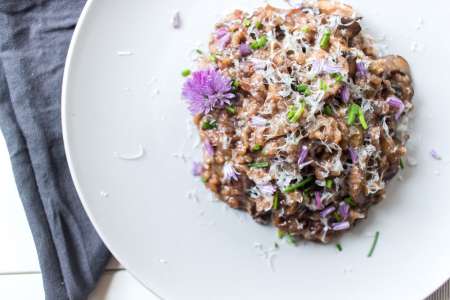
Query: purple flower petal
x=259 y=121
x=303 y=155
x=345 y=93
x=267 y=189
x=353 y=155
x=398 y=104
x=208 y=147
x=206 y=90
x=244 y=50
x=435 y=154
x=224 y=41
x=221 y=32
x=197 y=169
x=229 y=172
x=318 y=198
x=324 y=213
x=340 y=226
x=361 y=69
x=320 y=66
x=344 y=210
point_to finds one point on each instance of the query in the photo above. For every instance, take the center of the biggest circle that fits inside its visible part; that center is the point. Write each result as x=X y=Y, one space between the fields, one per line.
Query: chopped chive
x=231 y=109
x=323 y=85
x=329 y=183
x=291 y=240
x=303 y=89
x=259 y=43
x=213 y=58
x=291 y=112
x=246 y=22
x=276 y=245
x=276 y=200
x=293 y=118
x=199 y=51
x=402 y=164
x=338 y=77
x=260 y=165
x=305 y=29
x=203 y=179
x=352 y=112
x=185 y=72
x=325 y=40
x=281 y=234
x=328 y=110
x=337 y=216
x=209 y=124
x=299 y=185
x=235 y=85
x=259 y=25
x=256 y=148
x=362 y=119
x=339 y=247
x=349 y=201
x=374 y=244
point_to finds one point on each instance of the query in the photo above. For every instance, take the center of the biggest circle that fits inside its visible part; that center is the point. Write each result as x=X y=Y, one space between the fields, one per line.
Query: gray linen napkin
x=34 y=38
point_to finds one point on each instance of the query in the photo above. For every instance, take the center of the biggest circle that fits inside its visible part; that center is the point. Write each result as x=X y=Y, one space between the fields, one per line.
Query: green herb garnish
x=337 y=216
x=323 y=85
x=276 y=245
x=352 y=113
x=329 y=183
x=291 y=240
x=325 y=40
x=185 y=72
x=328 y=110
x=213 y=58
x=231 y=109
x=209 y=124
x=259 y=25
x=246 y=22
x=374 y=244
x=303 y=89
x=299 y=185
x=259 y=43
x=199 y=51
x=338 y=77
x=339 y=247
x=260 y=165
x=349 y=201
x=305 y=29
x=281 y=234
x=276 y=200
x=362 y=119
x=256 y=148
x=203 y=179
x=296 y=113
x=402 y=164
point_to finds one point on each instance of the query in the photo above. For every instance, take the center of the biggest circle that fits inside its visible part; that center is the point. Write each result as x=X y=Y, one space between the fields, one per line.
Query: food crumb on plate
x=104 y=194
x=124 y=53
x=163 y=261
x=176 y=20
x=138 y=155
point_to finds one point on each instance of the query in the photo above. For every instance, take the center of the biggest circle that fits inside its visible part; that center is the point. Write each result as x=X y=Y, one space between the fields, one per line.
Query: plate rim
x=66 y=137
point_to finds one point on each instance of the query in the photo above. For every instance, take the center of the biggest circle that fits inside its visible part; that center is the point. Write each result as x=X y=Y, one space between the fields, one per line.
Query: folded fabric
x=34 y=39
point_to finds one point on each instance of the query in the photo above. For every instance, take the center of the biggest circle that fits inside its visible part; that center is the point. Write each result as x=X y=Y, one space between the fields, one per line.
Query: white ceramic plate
x=186 y=249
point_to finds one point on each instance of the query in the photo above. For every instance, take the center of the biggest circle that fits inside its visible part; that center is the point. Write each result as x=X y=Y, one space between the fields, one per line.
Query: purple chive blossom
x=221 y=32
x=353 y=155
x=340 y=226
x=318 y=198
x=398 y=104
x=323 y=67
x=324 y=213
x=244 y=50
x=229 y=172
x=361 y=69
x=208 y=147
x=344 y=210
x=303 y=155
x=206 y=90
x=345 y=93
x=259 y=121
x=267 y=189
x=197 y=169
x=435 y=155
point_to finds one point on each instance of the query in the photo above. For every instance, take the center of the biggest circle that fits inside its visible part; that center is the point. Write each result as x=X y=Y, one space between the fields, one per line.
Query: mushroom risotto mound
x=302 y=123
